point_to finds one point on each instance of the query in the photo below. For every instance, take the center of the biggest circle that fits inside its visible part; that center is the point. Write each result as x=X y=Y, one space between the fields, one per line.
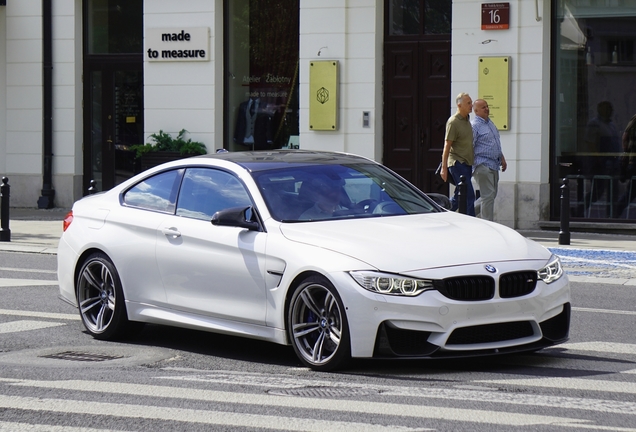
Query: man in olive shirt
x=458 y=152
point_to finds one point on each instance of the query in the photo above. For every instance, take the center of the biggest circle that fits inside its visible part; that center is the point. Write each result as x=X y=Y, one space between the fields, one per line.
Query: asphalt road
x=55 y=377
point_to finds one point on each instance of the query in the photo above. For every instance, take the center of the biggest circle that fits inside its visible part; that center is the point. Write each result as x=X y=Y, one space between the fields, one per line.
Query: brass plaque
x=323 y=95
x=494 y=88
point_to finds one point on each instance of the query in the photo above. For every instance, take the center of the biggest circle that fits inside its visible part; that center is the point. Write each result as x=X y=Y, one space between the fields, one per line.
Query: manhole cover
x=324 y=392
x=81 y=356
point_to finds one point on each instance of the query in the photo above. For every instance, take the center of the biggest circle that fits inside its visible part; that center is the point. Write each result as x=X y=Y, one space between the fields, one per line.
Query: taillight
x=67 y=220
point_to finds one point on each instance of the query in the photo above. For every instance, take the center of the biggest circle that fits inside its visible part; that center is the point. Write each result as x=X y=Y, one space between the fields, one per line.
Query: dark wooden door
x=416 y=106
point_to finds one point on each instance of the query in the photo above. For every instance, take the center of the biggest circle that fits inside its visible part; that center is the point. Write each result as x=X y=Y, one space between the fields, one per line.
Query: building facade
x=84 y=80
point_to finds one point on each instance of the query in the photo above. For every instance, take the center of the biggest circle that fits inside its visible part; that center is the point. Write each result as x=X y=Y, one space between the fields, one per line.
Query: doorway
x=417 y=81
x=115 y=116
x=113 y=90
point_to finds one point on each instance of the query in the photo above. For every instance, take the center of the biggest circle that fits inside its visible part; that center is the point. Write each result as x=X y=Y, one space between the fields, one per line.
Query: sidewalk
x=39 y=230
x=34 y=230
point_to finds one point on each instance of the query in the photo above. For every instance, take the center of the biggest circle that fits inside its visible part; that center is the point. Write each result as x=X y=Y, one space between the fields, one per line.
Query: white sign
x=178 y=44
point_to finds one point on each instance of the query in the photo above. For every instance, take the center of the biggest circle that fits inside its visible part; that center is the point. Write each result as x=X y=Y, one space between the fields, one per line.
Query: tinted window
x=155 y=193
x=206 y=191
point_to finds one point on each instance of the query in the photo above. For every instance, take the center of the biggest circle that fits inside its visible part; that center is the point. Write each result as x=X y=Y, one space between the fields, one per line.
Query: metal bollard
x=461 y=195
x=564 y=234
x=5 y=194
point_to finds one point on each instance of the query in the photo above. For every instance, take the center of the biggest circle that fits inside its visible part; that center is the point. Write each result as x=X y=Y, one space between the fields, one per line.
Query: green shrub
x=163 y=141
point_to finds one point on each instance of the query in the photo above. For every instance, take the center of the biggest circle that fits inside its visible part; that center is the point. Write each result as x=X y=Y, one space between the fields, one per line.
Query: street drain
x=329 y=392
x=80 y=356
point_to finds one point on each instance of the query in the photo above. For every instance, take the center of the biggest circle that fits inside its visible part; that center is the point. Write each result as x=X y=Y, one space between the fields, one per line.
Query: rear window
x=158 y=193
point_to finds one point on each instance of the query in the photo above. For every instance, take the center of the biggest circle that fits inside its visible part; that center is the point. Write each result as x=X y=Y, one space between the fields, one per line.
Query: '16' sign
x=495 y=16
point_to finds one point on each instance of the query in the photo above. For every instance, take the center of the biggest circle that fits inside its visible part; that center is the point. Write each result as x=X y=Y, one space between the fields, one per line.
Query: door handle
x=171 y=232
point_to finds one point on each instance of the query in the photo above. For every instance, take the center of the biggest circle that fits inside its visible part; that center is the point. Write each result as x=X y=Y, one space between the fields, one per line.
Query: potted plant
x=165 y=148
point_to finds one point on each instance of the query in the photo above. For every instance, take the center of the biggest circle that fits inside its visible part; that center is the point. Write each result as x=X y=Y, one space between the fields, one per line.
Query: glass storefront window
x=261 y=74
x=595 y=127
x=114 y=26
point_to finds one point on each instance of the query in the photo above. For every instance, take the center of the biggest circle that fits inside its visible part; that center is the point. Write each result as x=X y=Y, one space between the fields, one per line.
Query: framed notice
x=495 y=16
x=494 y=88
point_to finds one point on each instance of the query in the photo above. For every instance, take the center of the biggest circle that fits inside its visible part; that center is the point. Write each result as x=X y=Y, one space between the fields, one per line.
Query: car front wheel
x=100 y=298
x=318 y=325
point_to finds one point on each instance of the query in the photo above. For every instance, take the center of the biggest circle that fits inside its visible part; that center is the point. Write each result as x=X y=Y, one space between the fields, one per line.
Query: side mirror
x=441 y=200
x=241 y=217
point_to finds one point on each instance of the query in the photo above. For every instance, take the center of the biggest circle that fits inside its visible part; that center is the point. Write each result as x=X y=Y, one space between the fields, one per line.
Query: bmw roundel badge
x=490 y=269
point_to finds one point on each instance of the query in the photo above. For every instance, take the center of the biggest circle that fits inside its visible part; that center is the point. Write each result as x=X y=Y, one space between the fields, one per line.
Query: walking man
x=488 y=158
x=457 y=157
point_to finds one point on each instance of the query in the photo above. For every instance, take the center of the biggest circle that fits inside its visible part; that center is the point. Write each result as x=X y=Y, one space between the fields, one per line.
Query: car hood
x=417 y=242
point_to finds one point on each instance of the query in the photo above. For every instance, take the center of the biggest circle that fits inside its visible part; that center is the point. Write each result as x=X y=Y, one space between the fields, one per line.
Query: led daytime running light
x=551 y=272
x=391 y=284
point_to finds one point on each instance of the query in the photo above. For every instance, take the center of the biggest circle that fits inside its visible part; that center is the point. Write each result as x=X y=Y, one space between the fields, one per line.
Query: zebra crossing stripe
x=460 y=393
x=607 y=311
x=8 y=282
x=570 y=383
x=351 y=406
x=207 y=417
x=28 y=427
x=26 y=325
x=19 y=269
x=602 y=347
x=34 y=314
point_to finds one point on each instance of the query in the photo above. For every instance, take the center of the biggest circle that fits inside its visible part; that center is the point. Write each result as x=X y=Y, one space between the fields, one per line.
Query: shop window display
x=261 y=74
x=595 y=82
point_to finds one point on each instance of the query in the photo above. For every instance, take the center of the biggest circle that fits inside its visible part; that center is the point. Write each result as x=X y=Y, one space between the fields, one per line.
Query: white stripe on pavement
x=26 y=325
x=28 y=427
x=570 y=384
x=483 y=394
x=16 y=269
x=191 y=415
x=8 y=282
x=351 y=406
x=602 y=347
x=34 y=314
x=607 y=311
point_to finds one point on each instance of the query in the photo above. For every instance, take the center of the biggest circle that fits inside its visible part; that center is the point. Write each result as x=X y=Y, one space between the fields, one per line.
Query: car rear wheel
x=100 y=298
x=318 y=326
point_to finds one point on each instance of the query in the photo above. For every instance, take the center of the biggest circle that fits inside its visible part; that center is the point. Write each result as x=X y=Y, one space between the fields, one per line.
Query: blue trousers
x=457 y=170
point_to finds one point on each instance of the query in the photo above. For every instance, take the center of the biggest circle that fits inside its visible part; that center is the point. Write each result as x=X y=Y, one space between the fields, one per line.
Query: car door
x=135 y=223
x=206 y=269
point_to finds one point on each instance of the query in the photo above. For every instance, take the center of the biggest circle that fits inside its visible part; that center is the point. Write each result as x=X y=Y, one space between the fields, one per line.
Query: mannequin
x=253 y=125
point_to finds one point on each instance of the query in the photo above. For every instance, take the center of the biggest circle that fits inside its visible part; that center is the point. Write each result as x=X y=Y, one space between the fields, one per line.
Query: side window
x=206 y=191
x=157 y=193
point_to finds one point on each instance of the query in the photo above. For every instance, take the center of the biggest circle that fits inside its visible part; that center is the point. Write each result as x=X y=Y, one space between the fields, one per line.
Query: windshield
x=321 y=192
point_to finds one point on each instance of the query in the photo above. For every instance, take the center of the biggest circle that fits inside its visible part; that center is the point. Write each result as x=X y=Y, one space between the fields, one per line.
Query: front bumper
x=435 y=326
x=393 y=342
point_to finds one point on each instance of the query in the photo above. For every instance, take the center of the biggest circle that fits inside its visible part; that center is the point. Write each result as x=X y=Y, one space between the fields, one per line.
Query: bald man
x=488 y=157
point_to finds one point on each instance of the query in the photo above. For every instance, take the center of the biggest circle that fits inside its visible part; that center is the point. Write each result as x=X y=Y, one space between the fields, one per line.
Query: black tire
x=100 y=298
x=317 y=325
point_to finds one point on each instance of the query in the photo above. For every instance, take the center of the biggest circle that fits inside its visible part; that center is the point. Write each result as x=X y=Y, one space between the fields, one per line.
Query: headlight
x=384 y=283
x=552 y=271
